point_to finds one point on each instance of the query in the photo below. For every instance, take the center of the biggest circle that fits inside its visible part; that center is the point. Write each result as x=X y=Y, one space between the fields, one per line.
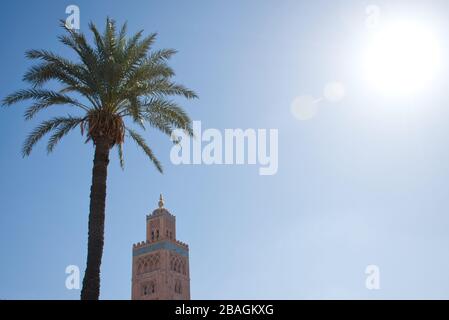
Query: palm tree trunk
x=91 y=281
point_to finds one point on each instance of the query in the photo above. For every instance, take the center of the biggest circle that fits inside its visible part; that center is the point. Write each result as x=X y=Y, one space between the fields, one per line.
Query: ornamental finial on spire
x=161 y=201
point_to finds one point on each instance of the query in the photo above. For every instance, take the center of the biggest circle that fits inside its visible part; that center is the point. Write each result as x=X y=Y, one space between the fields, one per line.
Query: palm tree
x=116 y=79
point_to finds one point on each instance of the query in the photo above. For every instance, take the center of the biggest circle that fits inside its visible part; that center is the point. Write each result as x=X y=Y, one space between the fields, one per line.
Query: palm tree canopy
x=117 y=78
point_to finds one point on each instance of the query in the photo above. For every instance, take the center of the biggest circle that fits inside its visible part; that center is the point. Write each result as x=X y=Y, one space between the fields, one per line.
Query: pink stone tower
x=160 y=264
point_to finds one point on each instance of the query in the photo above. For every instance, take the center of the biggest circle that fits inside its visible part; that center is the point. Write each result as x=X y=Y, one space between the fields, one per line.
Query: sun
x=402 y=58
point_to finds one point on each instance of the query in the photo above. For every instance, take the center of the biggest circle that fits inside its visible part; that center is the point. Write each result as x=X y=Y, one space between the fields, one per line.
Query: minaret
x=160 y=268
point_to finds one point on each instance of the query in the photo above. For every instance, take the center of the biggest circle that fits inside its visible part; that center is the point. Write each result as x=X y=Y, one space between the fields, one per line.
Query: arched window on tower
x=157 y=234
x=175 y=266
x=152 y=235
x=149 y=288
x=140 y=267
x=156 y=262
x=178 y=287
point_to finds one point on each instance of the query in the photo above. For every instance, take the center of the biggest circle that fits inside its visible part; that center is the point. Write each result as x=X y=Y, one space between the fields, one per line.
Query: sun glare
x=402 y=59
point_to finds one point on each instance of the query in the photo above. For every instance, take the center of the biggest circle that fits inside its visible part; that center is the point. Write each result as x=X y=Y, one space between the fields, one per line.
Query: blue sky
x=363 y=182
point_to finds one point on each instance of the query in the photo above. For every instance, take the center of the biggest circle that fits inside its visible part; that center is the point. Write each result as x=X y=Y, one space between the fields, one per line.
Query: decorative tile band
x=167 y=245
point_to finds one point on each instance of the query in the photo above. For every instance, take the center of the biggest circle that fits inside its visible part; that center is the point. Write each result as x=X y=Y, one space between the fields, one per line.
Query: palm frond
x=41 y=130
x=161 y=55
x=142 y=144
x=62 y=130
x=166 y=116
x=109 y=39
x=134 y=107
x=121 y=39
x=163 y=87
x=44 y=98
x=120 y=155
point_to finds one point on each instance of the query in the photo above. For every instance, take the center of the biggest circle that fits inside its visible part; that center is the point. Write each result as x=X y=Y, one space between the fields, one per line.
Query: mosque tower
x=160 y=269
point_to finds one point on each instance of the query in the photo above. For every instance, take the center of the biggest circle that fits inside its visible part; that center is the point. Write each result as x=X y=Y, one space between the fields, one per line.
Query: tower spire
x=161 y=201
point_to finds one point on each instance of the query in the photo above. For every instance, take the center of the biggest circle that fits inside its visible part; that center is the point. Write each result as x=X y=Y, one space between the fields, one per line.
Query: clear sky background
x=365 y=181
